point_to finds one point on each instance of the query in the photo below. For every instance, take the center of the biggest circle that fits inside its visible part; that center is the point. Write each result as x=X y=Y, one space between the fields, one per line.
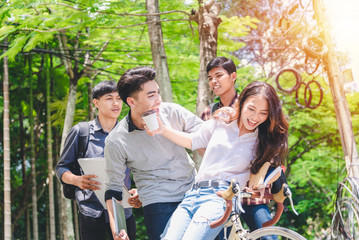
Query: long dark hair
x=272 y=142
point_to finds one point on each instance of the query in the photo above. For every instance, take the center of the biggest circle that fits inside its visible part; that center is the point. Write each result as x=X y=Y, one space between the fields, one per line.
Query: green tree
x=49 y=154
x=7 y=178
x=158 y=50
x=33 y=160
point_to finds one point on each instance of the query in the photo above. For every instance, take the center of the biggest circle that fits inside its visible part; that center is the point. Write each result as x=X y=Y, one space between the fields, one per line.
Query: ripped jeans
x=192 y=217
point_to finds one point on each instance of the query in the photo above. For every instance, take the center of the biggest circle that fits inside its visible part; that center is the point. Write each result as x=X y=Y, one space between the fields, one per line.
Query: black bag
x=83 y=140
x=277 y=184
x=214 y=107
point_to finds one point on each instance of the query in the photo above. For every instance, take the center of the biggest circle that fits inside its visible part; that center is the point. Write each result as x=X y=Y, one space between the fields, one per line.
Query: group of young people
x=238 y=135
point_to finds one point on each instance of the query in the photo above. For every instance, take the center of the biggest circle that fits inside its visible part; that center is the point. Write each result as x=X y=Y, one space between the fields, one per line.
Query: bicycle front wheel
x=280 y=232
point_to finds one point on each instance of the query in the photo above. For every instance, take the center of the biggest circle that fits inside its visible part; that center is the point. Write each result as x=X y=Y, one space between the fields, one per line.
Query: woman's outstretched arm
x=180 y=138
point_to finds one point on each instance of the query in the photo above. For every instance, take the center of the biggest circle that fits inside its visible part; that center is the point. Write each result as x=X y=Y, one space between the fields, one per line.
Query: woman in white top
x=238 y=143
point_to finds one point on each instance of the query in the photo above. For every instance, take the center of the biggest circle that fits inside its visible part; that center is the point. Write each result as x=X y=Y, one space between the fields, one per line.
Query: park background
x=54 y=52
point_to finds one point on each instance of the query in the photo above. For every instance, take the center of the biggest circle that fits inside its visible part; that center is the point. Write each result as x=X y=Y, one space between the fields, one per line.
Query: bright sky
x=343 y=16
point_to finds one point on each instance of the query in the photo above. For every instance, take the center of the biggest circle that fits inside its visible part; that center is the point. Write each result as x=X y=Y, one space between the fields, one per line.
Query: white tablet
x=96 y=166
x=119 y=214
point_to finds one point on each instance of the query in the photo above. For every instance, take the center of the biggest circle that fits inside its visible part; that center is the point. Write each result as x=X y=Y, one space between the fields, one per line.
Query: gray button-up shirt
x=162 y=170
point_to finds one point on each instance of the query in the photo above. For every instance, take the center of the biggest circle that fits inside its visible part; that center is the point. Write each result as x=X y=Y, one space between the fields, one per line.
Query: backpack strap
x=214 y=107
x=82 y=144
x=83 y=139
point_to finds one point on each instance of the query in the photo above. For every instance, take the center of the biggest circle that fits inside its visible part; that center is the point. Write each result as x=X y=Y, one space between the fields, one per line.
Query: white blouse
x=227 y=155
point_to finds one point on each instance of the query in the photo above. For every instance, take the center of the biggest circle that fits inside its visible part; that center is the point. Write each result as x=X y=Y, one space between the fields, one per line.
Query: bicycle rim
x=280 y=232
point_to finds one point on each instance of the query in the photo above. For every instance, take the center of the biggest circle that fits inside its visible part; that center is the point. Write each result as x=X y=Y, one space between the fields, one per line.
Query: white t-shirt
x=227 y=155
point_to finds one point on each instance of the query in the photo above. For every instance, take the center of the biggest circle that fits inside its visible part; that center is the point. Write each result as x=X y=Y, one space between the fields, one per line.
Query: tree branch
x=44 y=31
x=295 y=144
x=105 y=74
x=104 y=46
x=63 y=51
x=88 y=64
x=134 y=25
x=144 y=23
x=76 y=52
x=307 y=147
x=119 y=14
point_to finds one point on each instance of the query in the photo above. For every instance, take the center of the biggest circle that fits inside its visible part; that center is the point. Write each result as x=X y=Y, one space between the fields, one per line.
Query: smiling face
x=109 y=105
x=220 y=81
x=254 y=112
x=146 y=99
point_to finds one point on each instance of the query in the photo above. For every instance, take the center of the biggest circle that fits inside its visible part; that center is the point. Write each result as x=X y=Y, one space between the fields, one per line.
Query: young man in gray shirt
x=162 y=170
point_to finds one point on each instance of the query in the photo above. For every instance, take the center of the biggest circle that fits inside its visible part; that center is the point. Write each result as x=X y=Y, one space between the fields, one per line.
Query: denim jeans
x=156 y=217
x=255 y=216
x=192 y=217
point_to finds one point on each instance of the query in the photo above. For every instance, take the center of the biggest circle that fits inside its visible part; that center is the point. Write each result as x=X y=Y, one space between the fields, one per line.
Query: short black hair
x=223 y=62
x=102 y=88
x=133 y=79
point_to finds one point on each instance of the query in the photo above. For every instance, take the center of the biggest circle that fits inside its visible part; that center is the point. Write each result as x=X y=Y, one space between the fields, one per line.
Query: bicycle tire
x=277 y=231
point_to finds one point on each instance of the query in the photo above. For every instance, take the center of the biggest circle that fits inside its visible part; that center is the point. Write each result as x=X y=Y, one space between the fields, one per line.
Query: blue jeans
x=194 y=214
x=156 y=217
x=255 y=216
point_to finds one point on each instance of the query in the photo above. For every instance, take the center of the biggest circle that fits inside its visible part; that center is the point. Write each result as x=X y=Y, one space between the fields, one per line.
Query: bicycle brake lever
x=237 y=191
x=289 y=195
x=239 y=204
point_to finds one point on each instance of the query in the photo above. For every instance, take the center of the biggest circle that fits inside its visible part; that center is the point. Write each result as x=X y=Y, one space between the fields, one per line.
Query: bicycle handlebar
x=233 y=190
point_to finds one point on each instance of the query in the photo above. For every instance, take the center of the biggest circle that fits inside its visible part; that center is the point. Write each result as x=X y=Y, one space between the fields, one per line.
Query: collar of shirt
x=232 y=102
x=131 y=125
x=97 y=125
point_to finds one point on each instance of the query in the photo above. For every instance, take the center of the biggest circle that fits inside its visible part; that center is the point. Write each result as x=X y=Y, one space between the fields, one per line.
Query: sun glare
x=343 y=18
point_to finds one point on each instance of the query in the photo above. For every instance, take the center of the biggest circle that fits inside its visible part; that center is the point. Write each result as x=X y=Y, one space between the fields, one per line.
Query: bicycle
x=237 y=231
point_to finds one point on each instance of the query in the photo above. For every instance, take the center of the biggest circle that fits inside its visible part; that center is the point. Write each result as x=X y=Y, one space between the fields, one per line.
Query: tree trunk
x=91 y=112
x=28 y=225
x=7 y=178
x=47 y=224
x=208 y=21
x=66 y=213
x=49 y=155
x=66 y=210
x=74 y=75
x=76 y=220
x=341 y=106
x=59 y=205
x=23 y=158
x=33 y=162
x=70 y=113
x=158 y=51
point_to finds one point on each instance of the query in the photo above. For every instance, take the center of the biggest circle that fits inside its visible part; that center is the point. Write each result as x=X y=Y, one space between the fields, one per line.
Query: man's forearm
x=69 y=178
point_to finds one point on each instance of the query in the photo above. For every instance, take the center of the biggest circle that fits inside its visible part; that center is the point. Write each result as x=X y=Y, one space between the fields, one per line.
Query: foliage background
x=315 y=163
